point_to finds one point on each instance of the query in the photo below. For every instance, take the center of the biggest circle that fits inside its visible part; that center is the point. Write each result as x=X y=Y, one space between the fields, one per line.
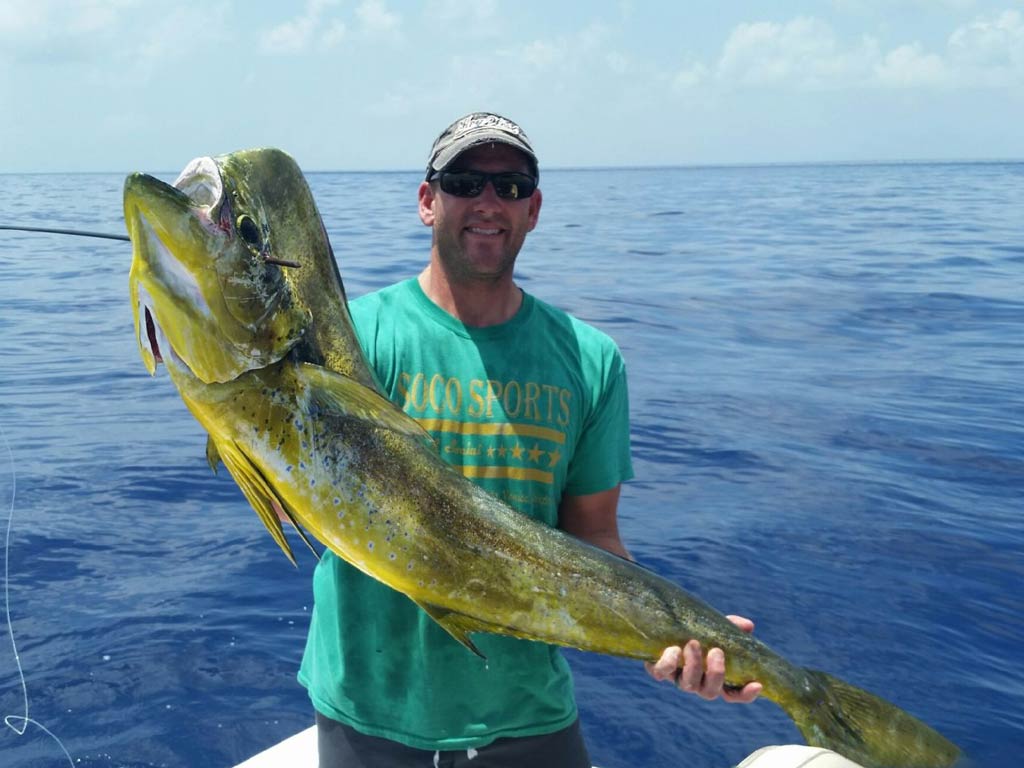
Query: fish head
x=207 y=285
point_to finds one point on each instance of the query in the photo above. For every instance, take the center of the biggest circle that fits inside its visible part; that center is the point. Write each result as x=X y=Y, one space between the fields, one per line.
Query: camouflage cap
x=478 y=128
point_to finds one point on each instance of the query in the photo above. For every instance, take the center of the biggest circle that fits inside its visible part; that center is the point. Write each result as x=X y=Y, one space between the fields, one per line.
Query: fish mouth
x=201 y=180
x=154 y=344
x=202 y=185
x=151 y=335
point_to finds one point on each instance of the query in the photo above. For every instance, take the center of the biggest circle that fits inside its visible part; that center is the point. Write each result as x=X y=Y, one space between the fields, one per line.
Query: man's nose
x=488 y=198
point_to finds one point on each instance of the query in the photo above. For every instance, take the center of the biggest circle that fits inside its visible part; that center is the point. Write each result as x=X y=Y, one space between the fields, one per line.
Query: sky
x=123 y=85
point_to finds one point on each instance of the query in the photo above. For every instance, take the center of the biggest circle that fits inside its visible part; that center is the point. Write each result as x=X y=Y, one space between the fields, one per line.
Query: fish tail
x=862 y=727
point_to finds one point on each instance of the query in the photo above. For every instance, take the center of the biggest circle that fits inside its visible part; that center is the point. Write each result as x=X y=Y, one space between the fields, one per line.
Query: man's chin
x=477 y=266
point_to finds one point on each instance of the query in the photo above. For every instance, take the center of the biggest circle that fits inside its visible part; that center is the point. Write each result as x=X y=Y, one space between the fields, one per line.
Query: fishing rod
x=107 y=236
x=79 y=232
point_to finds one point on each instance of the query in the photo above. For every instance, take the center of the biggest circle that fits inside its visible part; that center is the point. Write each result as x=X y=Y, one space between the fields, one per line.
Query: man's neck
x=476 y=303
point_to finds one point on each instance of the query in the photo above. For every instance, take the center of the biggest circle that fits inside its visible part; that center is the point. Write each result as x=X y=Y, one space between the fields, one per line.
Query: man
x=532 y=405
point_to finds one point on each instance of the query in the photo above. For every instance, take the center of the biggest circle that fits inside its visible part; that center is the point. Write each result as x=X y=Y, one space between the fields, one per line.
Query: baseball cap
x=478 y=128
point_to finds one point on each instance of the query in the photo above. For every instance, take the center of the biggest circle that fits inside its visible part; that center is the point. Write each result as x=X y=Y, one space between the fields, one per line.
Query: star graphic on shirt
x=491 y=451
x=535 y=453
x=517 y=452
x=502 y=451
x=554 y=456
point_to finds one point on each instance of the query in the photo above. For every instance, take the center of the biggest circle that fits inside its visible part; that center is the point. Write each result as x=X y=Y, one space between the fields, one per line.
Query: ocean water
x=827 y=389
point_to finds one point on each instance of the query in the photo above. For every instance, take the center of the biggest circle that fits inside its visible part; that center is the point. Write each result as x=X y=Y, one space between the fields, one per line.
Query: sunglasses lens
x=513 y=186
x=508 y=186
x=463 y=184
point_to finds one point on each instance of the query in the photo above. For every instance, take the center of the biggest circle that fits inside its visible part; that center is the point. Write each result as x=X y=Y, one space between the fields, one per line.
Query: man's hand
x=686 y=668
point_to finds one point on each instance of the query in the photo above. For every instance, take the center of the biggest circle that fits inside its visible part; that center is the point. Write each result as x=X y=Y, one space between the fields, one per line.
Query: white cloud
x=47 y=18
x=22 y=17
x=478 y=20
x=107 y=43
x=618 y=62
x=989 y=51
x=594 y=37
x=180 y=32
x=333 y=34
x=459 y=12
x=909 y=67
x=868 y=6
x=589 y=50
x=94 y=15
x=803 y=53
x=569 y=67
x=71 y=28
x=542 y=54
x=806 y=54
x=311 y=29
x=690 y=76
x=376 y=19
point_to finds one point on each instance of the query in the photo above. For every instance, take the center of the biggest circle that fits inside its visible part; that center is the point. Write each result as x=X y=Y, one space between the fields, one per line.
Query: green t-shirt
x=529 y=410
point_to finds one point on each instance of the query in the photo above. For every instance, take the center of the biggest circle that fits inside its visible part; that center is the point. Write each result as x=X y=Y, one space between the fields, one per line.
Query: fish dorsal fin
x=337 y=392
x=450 y=623
x=260 y=494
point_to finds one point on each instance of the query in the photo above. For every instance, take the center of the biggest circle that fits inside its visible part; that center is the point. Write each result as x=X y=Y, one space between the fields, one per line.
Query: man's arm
x=594 y=519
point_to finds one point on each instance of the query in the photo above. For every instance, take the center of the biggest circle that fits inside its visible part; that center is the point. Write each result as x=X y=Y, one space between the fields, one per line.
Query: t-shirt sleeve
x=602 y=457
x=364 y=319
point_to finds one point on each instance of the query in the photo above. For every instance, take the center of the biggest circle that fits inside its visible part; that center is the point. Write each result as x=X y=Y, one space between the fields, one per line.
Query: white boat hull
x=299 y=751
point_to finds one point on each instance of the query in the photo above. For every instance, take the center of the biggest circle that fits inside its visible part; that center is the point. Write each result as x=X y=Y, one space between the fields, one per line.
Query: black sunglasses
x=507 y=185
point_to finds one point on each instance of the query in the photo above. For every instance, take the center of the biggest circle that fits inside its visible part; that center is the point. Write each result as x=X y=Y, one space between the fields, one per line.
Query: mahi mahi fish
x=235 y=290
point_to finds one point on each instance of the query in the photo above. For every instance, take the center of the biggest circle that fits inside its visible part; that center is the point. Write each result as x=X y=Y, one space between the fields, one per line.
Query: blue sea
x=827 y=390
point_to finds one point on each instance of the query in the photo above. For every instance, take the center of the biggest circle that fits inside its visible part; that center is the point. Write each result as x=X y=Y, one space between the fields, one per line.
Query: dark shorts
x=341 y=746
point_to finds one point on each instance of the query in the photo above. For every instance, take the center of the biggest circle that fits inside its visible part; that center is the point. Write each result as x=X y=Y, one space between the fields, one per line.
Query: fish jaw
x=195 y=283
x=169 y=308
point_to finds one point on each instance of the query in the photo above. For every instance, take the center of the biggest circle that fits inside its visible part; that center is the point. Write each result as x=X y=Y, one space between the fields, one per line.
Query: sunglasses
x=507 y=185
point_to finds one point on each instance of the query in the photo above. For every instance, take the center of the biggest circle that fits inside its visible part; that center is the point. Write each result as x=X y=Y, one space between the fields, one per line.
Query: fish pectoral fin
x=212 y=454
x=452 y=623
x=258 y=491
x=337 y=392
x=304 y=537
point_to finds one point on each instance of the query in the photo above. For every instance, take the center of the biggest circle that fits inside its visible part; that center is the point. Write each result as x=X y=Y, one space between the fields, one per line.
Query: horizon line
x=630 y=167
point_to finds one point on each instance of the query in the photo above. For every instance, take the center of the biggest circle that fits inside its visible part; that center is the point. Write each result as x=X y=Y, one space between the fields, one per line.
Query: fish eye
x=249 y=231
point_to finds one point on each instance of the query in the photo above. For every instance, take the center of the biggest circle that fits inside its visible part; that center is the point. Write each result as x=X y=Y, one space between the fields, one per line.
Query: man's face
x=478 y=238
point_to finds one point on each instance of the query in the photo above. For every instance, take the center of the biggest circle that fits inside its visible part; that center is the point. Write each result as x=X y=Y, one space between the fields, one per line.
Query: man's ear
x=427 y=197
x=535 y=200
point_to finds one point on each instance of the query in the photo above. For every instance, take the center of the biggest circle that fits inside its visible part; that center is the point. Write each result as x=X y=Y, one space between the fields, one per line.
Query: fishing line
x=18 y=723
x=81 y=233
x=264 y=253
